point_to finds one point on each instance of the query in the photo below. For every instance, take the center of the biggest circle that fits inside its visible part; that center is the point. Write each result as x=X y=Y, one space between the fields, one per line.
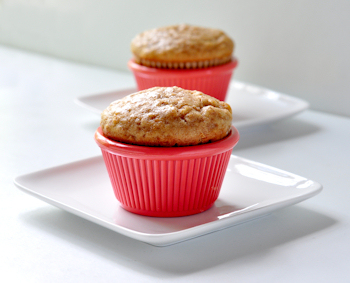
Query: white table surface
x=42 y=127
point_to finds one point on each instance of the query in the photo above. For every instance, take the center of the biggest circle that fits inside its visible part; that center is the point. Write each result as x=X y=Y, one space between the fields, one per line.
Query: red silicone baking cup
x=166 y=181
x=213 y=81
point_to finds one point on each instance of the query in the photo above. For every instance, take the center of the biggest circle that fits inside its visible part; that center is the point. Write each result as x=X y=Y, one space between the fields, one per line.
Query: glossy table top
x=43 y=127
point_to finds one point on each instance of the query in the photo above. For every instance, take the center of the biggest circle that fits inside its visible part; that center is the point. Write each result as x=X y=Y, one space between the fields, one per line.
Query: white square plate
x=250 y=190
x=251 y=105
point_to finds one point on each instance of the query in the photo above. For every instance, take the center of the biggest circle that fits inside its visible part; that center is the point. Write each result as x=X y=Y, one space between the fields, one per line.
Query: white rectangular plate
x=251 y=105
x=250 y=190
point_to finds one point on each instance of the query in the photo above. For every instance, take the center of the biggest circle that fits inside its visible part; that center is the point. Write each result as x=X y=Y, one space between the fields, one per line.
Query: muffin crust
x=182 y=46
x=167 y=116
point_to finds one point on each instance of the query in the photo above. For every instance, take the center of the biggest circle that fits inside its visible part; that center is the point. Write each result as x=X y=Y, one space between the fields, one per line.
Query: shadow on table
x=252 y=240
x=283 y=130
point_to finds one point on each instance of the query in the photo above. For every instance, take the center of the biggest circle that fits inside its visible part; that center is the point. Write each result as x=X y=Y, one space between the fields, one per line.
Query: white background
x=296 y=47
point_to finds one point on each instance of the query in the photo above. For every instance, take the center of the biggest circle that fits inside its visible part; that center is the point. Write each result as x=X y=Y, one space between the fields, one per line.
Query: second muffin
x=182 y=46
x=191 y=57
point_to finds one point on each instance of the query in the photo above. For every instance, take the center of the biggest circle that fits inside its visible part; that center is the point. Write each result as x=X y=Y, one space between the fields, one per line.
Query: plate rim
x=168 y=238
x=300 y=104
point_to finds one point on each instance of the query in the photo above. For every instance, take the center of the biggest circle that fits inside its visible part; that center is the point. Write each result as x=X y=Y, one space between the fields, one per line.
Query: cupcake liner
x=213 y=81
x=166 y=182
x=183 y=65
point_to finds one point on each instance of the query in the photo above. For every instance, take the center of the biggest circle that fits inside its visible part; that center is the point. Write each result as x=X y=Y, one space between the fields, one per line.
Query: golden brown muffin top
x=167 y=116
x=180 y=44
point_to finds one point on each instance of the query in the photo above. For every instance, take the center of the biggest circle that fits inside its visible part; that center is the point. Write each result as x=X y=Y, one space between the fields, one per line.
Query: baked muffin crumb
x=182 y=47
x=167 y=116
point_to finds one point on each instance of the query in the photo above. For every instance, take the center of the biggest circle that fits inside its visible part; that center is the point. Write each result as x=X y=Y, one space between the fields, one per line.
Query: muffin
x=167 y=116
x=191 y=57
x=182 y=46
x=166 y=150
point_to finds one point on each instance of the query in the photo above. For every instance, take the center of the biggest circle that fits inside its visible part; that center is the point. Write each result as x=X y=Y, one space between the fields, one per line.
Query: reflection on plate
x=251 y=105
x=250 y=190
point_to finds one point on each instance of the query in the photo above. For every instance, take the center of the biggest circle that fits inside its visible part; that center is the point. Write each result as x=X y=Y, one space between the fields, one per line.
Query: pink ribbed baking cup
x=166 y=181
x=213 y=81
